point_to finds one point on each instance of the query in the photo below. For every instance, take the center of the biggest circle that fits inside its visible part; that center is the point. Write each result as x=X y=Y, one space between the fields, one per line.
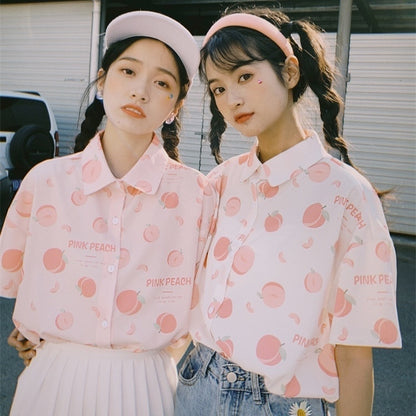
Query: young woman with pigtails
x=299 y=282
x=100 y=248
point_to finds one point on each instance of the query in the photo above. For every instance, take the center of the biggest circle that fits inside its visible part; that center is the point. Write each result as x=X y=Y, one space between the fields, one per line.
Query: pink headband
x=251 y=21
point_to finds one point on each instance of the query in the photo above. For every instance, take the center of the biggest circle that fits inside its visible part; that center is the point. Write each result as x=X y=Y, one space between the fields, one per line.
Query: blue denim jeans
x=210 y=385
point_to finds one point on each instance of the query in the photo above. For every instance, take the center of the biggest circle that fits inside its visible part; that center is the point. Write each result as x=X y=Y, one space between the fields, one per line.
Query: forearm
x=356 y=380
x=178 y=349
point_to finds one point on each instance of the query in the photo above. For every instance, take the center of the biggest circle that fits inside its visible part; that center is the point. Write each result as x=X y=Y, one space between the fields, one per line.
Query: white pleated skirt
x=77 y=380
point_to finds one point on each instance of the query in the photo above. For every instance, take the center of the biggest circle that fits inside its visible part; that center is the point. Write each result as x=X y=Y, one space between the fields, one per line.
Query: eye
x=217 y=90
x=245 y=77
x=162 y=84
x=127 y=71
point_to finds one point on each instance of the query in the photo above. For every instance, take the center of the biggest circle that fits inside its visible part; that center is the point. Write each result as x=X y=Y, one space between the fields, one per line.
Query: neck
x=283 y=135
x=122 y=151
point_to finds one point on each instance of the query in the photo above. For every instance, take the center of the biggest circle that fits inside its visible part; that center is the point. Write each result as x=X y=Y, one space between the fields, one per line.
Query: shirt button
x=115 y=220
x=231 y=377
x=111 y=268
x=104 y=324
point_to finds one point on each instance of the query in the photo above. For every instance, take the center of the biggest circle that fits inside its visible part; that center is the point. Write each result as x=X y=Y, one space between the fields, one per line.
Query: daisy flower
x=300 y=409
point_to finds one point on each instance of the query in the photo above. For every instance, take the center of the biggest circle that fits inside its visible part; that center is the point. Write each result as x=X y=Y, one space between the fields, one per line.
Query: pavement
x=394 y=369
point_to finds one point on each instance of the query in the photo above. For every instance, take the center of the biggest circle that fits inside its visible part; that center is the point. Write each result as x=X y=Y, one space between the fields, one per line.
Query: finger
x=12 y=338
x=27 y=345
x=27 y=355
x=20 y=337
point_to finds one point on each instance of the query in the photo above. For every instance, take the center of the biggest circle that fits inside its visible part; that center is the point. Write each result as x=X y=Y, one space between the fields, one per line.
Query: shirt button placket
x=108 y=284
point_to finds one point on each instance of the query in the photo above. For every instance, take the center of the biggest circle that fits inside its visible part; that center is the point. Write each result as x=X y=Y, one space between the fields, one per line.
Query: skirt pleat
x=77 y=380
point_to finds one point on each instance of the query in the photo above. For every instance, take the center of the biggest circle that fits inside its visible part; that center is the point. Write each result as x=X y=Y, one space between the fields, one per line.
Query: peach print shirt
x=106 y=262
x=301 y=260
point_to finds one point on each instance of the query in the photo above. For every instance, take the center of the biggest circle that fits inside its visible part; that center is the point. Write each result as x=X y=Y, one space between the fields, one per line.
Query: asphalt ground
x=394 y=369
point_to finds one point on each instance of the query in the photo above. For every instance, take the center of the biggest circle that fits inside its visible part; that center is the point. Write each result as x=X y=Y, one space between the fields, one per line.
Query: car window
x=18 y=112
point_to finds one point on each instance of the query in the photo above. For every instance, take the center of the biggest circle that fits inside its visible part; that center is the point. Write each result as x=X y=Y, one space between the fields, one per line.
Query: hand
x=24 y=347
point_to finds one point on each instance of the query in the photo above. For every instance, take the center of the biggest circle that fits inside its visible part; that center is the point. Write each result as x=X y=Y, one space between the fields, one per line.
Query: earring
x=99 y=95
x=170 y=120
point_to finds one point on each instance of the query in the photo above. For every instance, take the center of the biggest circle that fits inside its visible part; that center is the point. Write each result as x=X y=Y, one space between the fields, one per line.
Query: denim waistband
x=230 y=376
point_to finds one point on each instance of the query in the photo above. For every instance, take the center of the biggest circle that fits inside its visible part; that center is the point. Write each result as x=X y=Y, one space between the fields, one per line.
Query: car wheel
x=30 y=145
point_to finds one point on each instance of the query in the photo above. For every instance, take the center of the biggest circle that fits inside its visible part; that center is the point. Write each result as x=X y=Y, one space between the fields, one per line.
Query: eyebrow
x=159 y=68
x=211 y=81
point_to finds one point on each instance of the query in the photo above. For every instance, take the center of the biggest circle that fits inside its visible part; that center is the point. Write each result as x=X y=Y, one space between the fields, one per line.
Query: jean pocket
x=191 y=368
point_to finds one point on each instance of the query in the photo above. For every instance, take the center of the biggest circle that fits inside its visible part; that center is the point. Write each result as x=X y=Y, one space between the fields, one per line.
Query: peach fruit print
x=170 y=200
x=292 y=388
x=129 y=302
x=232 y=206
x=315 y=216
x=222 y=248
x=175 y=258
x=64 y=320
x=343 y=303
x=313 y=282
x=268 y=350
x=151 y=233
x=86 y=286
x=273 y=222
x=12 y=260
x=124 y=258
x=91 y=171
x=243 y=260
x=267 y=190
x=326 y=360
x=223 y=310
x=386 y=331
x=53 y=260
x=165 y=323
x=383 y=251
x=319 y=172
x=24 y=202
x=273 y=294
x=100 y=225
x=226 y=346
x=78 y=197
x=46 y=215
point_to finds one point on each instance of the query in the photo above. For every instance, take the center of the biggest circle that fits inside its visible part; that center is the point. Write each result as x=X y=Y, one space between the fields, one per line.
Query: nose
x=235 y=99
x=139 y=94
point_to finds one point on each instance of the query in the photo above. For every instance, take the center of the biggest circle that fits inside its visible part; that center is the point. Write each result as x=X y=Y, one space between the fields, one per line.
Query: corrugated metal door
x=379 y=121
x=45 y=47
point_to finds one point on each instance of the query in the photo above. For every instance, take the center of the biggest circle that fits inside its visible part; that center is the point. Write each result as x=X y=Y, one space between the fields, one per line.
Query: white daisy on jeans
x=300 y=409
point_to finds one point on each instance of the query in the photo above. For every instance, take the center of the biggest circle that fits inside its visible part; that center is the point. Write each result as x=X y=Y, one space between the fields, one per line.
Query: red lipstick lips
x=242 y=118
x=133 y=111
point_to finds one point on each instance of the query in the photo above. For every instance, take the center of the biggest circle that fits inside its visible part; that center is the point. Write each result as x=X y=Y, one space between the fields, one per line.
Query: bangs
x=230 y=48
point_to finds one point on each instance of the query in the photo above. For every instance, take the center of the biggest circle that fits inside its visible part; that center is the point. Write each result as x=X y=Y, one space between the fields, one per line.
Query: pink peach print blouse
x=105 y=262
x=302 y=260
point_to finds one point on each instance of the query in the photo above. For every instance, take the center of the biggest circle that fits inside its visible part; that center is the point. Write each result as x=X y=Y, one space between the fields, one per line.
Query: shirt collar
x=279 y=169
x=145 y=175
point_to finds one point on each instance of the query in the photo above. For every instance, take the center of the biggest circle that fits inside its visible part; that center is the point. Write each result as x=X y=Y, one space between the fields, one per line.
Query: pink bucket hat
x=160 y=27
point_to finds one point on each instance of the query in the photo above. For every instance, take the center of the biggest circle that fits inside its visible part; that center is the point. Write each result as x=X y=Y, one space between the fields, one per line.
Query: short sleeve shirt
x=301 y=260
x=103 y=261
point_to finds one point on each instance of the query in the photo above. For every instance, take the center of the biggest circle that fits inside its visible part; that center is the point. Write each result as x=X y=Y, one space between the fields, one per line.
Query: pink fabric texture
x=105 y=262
x=302 y=260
